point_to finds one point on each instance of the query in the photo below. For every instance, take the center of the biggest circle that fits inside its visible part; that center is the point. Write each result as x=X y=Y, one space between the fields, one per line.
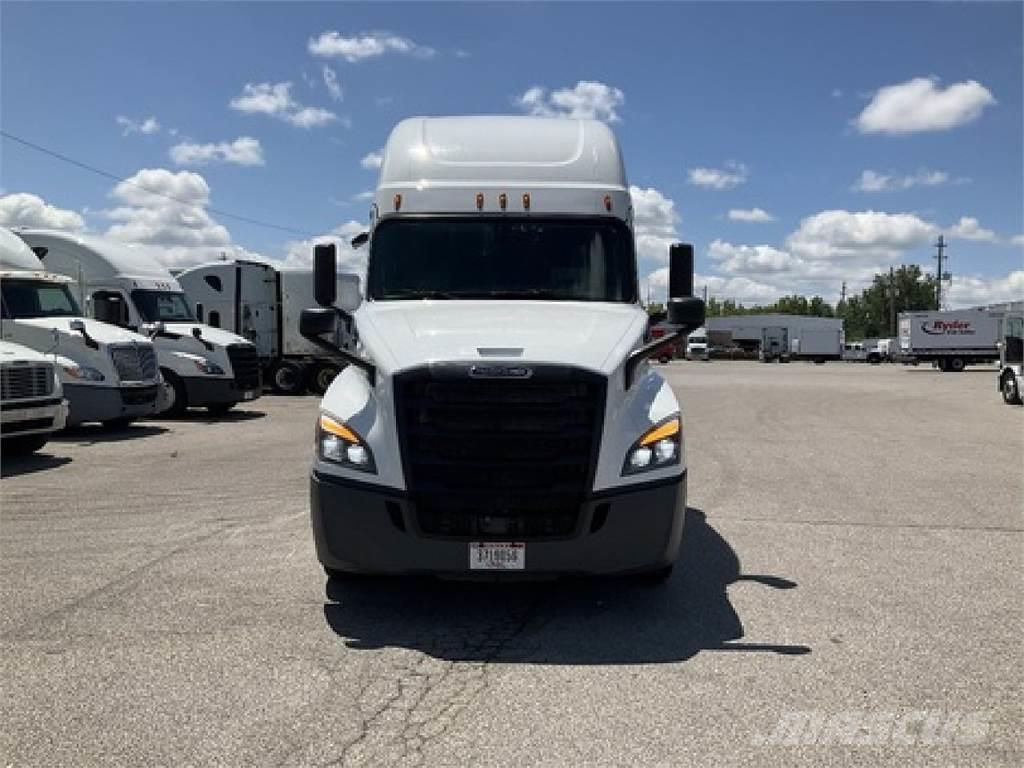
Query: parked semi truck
x=499 y=413
x=951 y=339
x=263 y=303
x=32 y=405
x=774 y=344
x=817 y=345
x=128 y=287
x=697 y=345
x=1011 y=358
x=108 y=374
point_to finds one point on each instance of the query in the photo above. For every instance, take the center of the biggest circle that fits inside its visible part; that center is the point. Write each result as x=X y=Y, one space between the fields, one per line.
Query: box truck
x=263 y=302
x=32 y=404
x=499 y=414
x=1011 y=358
x=107 y=374
x=817 y=345
x=127 y=286
x=950 y=339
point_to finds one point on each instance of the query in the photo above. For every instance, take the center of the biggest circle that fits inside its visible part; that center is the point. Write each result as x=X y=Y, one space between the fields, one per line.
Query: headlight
x=659 y=447
x=205 y=366
x=83 y=372
x=341 y=445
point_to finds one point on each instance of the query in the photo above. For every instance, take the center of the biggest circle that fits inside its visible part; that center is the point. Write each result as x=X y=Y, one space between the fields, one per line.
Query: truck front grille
x=134 y=362
x=245 y=362
x=21 y=382
x=138 y=395
x=499 y=458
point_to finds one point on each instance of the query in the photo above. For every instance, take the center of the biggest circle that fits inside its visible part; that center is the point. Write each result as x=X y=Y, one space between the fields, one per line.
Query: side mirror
x=77 y=326
x=318 y=322
x=152 y=329
x=686 y=313
x=325 y=274
x=360 y=240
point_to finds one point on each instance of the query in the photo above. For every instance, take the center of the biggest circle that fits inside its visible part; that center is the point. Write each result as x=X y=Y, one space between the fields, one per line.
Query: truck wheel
x=957 y=364
x=177 y=396
x=20 y=446
x=286 y=378
x=1011 y=389
x=323 y=375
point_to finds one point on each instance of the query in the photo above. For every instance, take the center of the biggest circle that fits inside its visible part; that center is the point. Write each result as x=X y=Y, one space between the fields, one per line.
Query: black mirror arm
x=90 y=342
x=648 y=350
x=352 y=359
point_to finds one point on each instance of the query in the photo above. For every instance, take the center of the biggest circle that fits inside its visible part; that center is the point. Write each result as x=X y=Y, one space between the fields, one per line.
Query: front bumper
x=363 y=528
x=92 y=403
x=212 y=391
x=33 y=417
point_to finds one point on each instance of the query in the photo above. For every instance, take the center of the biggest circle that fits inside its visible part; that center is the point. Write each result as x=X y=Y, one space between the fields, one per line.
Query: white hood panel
x=406 y=334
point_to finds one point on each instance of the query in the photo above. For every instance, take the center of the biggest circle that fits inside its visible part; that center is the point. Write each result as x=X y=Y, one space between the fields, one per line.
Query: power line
x=121 y=179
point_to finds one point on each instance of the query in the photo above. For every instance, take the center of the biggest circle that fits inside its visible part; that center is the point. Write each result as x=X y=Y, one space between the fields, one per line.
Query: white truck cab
x=499 y=413
x=126 y=286
x=108 y=374
x=32 y=405
x=1011 y=358
x=697 y=345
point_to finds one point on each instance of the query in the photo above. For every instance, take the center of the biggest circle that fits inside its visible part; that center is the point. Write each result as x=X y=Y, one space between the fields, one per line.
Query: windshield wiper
x=417 y=293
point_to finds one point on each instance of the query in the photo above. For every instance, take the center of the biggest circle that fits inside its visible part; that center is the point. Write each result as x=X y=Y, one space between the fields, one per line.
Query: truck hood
x=216 y=336
x=405 y=334
x=102 y=332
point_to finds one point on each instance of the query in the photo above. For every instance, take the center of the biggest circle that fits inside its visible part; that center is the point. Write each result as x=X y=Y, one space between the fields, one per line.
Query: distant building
x=746 y=331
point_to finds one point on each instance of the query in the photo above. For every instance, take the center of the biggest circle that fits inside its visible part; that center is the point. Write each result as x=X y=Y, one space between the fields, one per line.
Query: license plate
x=250 y=395
x=497 y=556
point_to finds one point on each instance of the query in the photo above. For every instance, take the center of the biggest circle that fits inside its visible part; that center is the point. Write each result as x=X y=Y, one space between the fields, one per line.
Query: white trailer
x=127 y=286
x=263 y=302
x=32 y=404
x=108 y=374
x=951 y=339
x=500 y=414
x=817 y=345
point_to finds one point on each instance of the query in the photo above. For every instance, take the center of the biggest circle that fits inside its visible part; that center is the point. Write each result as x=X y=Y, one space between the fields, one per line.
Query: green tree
x=871 y=314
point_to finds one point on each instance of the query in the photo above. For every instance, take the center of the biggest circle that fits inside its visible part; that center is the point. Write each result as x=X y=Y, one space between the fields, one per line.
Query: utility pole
x=940 y=247
x=892 y=302
x=842 y=294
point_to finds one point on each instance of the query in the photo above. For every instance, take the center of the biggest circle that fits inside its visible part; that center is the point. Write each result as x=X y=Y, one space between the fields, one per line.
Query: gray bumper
x=91 y=403
x=370 y=529
x=33 y=417
x=211 y=391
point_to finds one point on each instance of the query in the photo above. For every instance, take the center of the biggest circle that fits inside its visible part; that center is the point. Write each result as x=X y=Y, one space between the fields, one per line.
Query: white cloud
x=969 y=228
x=873 y=181
x=729 y=177
x=655 y=224
x=372 y=160
x=363 y=197
x=331 y=81
x=587 y=100
x=972 y=290
x=750 y=259
x=366 y=45
x=839 y=235
x=1017 y=240
x=300 y=252
x=921 y=104
x=23 y=209
x=147 y=125
x=275 y=99
x=755 y=215
x=244 y=150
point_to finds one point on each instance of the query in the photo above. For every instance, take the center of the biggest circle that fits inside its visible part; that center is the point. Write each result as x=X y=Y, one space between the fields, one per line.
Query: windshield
x=698 y=339
x=580 y=259
x=37 y=298
x=164 y=306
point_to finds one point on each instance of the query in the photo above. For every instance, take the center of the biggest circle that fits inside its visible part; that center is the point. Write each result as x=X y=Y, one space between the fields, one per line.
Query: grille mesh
x=245 y=362
x=134 y=362
x=18 y=382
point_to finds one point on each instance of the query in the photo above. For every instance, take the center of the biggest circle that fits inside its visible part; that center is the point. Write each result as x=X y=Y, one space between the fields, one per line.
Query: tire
x=322 y=376
x=21 y=446
x=177 y=392
x=115 y=425
x=219 y=409
x=956 y=364
x=654 y=578
x=1010 y=388
x=286 y=378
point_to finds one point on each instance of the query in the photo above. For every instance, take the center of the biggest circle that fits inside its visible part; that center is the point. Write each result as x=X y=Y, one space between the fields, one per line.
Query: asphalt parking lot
x=849 y=593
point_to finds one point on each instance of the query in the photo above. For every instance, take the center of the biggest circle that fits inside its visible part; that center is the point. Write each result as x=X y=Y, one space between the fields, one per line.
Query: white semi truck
x=263 y=303
x=697 y=345
x=32 y=404
x=128 y=287
x=499 y=413
x=108 y=374
x=1011 y=358
x=950 y=339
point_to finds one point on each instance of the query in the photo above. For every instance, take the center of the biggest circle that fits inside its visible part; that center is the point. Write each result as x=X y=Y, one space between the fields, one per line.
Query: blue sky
x=719 y=108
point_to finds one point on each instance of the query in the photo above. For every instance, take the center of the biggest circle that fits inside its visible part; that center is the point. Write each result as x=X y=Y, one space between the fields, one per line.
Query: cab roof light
x=526 y=201
x=608 y=203
x=479 y=201
x=503 y=201
x=398 y=202
x=668 y=429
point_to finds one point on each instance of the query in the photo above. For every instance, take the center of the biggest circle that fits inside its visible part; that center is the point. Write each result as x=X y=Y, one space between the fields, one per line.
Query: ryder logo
x=947 y=328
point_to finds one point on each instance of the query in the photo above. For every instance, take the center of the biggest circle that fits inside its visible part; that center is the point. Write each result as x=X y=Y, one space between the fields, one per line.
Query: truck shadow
x=577 y=621
x=93 y=434
x=12 y=466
